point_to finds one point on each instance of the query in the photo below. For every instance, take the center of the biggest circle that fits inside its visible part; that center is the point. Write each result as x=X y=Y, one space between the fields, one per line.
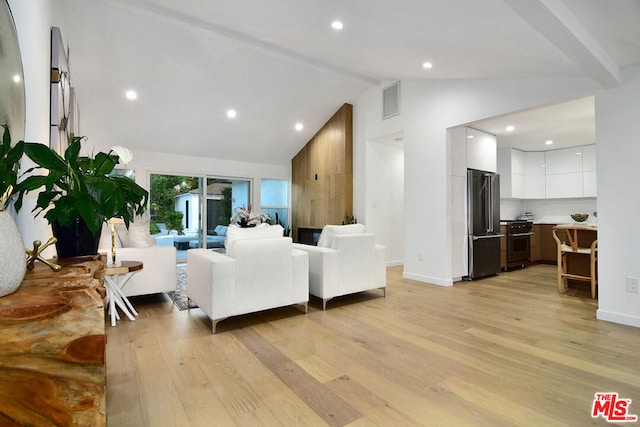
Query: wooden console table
x=52 y=348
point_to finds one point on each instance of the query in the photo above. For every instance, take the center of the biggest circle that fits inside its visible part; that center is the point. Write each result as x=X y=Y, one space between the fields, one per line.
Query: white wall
x=385 y=198
x=33 y=21
x=618 y=174
x=369 y=126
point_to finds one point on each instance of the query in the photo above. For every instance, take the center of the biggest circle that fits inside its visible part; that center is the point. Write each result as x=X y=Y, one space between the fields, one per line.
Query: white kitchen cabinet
x=518 y=190
x=481 y=150
x=563 y=173
x=589 y=158
x=589 y=171
x=534 y=185
x=511 y=167
x=571 y=172
x=566 y=160
x=564 y=185
x=518 y=162
x=589 y=184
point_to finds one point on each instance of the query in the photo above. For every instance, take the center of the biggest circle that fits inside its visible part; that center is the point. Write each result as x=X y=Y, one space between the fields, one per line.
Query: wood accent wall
x=322 y=175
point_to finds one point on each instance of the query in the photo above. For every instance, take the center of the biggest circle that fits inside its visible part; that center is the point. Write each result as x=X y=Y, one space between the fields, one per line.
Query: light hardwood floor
x=503 y=351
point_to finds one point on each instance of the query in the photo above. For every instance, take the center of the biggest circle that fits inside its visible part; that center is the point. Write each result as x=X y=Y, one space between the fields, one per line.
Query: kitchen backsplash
x=548 y=210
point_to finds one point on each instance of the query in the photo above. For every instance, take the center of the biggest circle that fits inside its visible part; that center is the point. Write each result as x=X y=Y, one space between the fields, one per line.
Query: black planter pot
x=75 y=240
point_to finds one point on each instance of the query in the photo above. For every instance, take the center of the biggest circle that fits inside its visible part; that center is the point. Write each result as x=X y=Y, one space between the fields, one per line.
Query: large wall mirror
x=12 y=98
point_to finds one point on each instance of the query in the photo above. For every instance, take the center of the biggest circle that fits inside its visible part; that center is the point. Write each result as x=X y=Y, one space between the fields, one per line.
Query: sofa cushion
x=221 y=230
x=329 y=231
x=261 y=231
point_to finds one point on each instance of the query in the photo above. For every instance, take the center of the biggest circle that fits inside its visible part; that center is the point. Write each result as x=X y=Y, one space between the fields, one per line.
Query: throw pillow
x=329 y=231
x=136 y=237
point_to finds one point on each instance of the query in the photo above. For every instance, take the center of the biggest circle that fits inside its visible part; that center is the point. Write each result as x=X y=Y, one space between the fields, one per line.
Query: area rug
x=179 y=297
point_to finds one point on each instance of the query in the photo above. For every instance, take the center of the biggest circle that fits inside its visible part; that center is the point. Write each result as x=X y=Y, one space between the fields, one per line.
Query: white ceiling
x=568 y=124
x=279 y=62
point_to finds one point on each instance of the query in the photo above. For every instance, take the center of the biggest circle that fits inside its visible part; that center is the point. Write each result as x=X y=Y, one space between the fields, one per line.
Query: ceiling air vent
x=391 y=100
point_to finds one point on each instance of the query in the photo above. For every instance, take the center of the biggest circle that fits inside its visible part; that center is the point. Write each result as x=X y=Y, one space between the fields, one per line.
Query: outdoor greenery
x=164 y=188
x=173 y=221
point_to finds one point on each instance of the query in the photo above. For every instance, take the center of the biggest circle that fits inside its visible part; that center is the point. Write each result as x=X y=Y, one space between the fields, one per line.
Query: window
x=185 y=213
x=274 y=201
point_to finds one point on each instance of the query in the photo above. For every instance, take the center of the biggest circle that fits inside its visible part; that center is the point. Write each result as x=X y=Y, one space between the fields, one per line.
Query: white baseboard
x=394 y=263
x=623 y=319
x=427 y=279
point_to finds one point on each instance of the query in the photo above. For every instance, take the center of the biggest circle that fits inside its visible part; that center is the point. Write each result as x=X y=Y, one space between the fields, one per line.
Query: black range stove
x=518 y=242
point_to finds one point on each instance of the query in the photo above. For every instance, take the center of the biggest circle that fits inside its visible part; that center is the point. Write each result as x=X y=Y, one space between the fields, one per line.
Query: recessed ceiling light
x=470 y=136
x=131 y=94
x=427 y=65
x=337 y=25
x=17 y=78
x=510 y=128
x=232 y=114
x=549 y=142
x=299 y=126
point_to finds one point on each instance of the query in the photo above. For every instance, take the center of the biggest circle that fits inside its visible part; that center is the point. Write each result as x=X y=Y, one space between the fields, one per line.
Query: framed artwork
x=60 y=93
x=74 y=114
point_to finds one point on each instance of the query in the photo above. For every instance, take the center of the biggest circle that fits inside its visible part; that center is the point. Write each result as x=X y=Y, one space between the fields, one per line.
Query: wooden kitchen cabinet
x=503 y=247
x=535 y=243
x=548 y=247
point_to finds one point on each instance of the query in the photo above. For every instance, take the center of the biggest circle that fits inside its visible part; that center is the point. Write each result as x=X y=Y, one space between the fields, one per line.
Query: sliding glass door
x=177 y=204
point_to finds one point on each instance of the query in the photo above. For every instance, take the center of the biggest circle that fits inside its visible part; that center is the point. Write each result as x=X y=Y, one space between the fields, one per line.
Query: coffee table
x=115 y=277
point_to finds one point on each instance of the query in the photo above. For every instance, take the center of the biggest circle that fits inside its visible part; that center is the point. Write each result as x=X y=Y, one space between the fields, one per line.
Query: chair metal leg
x=304 y=306
x=214 y=324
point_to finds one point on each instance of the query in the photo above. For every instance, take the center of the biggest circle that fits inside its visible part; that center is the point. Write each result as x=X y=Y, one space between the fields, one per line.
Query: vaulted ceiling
x=280 y=62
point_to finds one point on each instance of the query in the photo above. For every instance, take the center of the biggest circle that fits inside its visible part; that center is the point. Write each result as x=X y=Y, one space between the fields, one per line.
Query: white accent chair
x=347 y=260
x=158 y=272
x=260 y=271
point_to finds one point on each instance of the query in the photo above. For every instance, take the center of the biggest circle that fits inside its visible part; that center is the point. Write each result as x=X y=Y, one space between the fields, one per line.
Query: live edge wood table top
x=52 y=348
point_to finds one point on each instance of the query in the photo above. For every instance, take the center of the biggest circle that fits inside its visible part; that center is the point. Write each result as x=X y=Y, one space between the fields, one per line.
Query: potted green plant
x=9 y=167
x=79 y=194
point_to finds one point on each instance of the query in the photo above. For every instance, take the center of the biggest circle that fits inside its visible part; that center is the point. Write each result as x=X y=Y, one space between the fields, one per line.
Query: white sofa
x=158 y=273
x=260 y=271
x=345 y=261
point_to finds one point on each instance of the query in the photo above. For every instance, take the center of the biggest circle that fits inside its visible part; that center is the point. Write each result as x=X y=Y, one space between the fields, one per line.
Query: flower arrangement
x=245 y=218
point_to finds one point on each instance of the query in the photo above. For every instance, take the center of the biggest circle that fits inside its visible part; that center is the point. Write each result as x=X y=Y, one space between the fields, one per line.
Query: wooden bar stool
x=571 y=245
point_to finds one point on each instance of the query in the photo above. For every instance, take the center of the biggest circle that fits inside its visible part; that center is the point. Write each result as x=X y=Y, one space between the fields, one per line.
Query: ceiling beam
x=554 y=20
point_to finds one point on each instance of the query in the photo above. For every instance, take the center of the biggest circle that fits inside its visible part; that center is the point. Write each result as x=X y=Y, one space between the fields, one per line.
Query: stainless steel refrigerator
x=483 y=223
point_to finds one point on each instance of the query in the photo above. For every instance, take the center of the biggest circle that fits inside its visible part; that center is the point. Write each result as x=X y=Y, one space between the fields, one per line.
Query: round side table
x=115 y=277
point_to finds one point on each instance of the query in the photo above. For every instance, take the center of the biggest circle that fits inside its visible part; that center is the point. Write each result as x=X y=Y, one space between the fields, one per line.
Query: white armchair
x=260 y=270
x=158 y=273
x=347 y=260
